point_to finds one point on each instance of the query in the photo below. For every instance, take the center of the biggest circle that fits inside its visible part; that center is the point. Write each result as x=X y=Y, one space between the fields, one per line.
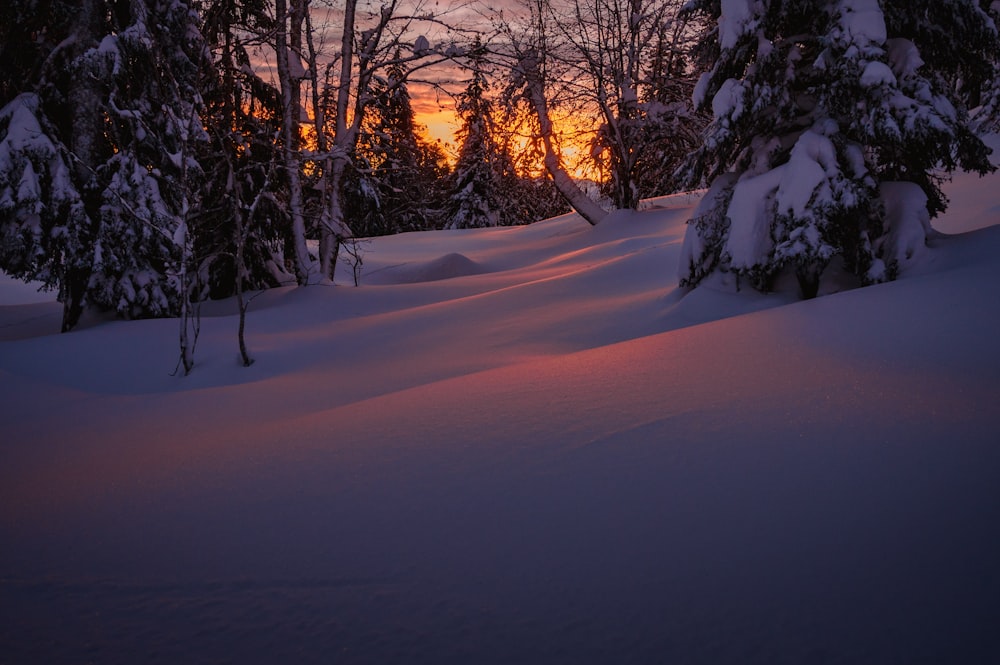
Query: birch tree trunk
x=291 y=105
x=569 y=190
x=333 y=227
x=357 y=68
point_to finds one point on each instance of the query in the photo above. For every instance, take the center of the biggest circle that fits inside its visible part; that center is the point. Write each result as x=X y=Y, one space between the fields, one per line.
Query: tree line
x=147 y=161
x=154 y=153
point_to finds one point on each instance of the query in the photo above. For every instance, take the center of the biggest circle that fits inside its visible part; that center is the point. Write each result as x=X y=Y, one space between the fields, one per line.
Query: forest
x=157 y=153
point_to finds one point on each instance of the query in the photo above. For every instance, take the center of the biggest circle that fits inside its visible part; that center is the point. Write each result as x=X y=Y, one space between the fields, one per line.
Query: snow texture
x=735 y=21
x=557 y=459
x=877 y=73
x=904 y=57
x=729 y=102
x=907 y=220
x=24 y=142
x=862 y=21
x=750 y=213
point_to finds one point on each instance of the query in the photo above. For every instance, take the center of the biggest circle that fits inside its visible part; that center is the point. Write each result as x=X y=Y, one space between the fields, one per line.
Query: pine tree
x=832 y=120
x=98 y=158
x=143 y=245
x=394 y=182
x=487 y=190
x=45 y=161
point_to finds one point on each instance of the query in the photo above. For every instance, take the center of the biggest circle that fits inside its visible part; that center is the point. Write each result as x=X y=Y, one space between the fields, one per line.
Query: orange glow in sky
x=439 y=123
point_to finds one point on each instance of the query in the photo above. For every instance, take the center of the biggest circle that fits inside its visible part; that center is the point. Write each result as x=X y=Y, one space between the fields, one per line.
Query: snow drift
x=552 y=456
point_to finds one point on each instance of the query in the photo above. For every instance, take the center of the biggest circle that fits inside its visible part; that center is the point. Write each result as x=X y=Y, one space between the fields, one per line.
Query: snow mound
x=448 y=266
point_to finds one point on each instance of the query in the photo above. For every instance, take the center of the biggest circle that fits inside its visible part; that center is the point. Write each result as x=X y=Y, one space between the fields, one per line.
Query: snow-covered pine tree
x=985 y=96
x=484 y=170
x=143 y=251
x=44 y=226
x=97 y=157
x=833 y=122
x=393 y=185
x=45 y=161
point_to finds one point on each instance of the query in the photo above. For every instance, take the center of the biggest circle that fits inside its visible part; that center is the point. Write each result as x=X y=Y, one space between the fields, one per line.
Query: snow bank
x=557 y=460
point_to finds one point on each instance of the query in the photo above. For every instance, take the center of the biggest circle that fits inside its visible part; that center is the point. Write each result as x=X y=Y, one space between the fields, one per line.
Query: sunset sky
x=434 y=109
x=429 y=89
x=438 y=117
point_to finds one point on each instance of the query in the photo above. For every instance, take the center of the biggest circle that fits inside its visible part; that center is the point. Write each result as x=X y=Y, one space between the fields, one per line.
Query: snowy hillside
x=518 y=445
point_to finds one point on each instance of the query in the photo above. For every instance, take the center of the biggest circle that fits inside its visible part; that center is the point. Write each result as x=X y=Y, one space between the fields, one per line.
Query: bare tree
x=392 y=37
x=611 y=47
x=621 y=62
x=288 y=33
x=530 y=52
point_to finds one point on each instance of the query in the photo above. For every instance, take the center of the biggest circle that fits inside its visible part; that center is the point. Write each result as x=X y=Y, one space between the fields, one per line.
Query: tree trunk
x=564 y=184
x=808 y=277
x=290 y=142
x=334 y=227
x=85 y=140
x=240 y=299
x=72 y=293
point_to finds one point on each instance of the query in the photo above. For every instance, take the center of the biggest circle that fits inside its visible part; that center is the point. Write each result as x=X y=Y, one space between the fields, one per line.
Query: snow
x=296 y=68
x=877 y=73
x=701 y=89
x=904 y=57
x=812 y=162
x=735 y=21
x=516 y=445
x=863 y=22
x=906 y=219
x=749 y=211
x=421 y=45
x=729 y=102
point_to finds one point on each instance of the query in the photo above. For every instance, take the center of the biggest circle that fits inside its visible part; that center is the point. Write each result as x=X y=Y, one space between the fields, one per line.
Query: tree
x=622 y=63
x=97 y=157
x=484 y=182
x=671 y=127
x=832 y=122
x=533 y=68
x=342 y=100
x=243 y=119
x=288 y=49
x=624 y=59
x=395 y=173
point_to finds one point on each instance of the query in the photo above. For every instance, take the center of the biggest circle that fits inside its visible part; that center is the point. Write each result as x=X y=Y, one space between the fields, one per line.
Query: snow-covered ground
x=517 y=445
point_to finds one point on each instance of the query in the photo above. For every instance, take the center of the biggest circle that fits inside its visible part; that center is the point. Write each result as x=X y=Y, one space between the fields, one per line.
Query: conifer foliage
x=483 y=170
x=831 y=120
x=98 y=154
x=396 y=178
